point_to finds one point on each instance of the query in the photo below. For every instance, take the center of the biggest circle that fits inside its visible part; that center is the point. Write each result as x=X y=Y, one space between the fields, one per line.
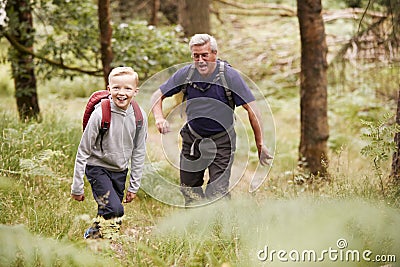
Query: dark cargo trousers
x=108 y=190
x=198 y=154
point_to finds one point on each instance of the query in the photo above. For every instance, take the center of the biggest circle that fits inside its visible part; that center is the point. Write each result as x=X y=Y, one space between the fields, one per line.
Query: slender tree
x=20 y=15
x=105 y=36
x=155 y=8
x=194 y=16
x=313 y=87
x=395 y=174
x=394 y=11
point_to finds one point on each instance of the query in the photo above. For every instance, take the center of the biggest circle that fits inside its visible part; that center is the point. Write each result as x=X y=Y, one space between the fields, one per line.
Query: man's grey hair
x=203 y=38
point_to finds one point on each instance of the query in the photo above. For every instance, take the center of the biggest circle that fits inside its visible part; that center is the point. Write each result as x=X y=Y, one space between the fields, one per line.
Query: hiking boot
x=93 y=231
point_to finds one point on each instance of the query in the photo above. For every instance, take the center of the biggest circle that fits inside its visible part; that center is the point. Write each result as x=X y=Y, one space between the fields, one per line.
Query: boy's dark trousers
x=108 y=190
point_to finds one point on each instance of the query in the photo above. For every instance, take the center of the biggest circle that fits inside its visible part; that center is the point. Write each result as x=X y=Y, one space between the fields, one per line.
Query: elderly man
x=212 y=89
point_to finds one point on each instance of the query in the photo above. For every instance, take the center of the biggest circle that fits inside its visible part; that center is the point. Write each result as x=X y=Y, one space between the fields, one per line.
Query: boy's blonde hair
x=118 y=71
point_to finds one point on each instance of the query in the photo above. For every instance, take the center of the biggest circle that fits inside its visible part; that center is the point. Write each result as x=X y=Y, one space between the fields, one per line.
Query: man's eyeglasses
x=205 y=56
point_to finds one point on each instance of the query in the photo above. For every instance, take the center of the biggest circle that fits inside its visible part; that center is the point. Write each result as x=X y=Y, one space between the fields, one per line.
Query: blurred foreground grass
x=18 y=247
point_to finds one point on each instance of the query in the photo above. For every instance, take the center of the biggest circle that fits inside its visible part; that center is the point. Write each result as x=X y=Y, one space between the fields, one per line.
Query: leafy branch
x=22 y=49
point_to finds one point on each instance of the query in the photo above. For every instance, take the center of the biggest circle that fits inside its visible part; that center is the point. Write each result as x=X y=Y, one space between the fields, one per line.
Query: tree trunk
x=155 y=8
x=194 y=16
x=313 y=87
x=105 y=37
x=395 y=174
x=22 y=64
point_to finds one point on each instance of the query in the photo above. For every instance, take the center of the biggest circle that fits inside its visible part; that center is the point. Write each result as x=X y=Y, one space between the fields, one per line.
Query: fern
x=380 y=135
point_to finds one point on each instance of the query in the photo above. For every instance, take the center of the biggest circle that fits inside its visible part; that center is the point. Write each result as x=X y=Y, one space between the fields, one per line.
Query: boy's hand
x=78 y=197
x=129 y=197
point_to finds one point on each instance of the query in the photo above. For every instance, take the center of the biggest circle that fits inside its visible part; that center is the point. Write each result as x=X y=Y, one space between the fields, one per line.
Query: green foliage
x=380 y=135
x=68 y=33
x=148 y=49
x=14 y=10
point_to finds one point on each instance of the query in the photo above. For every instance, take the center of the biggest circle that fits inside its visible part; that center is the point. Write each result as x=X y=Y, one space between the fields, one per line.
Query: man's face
x=123 y=88
x=204 y=59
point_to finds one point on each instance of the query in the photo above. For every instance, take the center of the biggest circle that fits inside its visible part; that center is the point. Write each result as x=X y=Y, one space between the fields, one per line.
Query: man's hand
x=78 y=197
x=162 y=125
x=129 y=197
x=264 y=155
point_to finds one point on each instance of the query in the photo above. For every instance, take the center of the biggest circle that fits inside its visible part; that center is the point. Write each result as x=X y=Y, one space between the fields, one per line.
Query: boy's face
x=123 y=88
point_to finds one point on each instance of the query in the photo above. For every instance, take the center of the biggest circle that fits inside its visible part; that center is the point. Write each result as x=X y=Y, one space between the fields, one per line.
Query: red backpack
x=103 y=96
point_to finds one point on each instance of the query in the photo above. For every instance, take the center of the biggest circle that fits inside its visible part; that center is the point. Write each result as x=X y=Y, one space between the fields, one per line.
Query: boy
x=105 y=159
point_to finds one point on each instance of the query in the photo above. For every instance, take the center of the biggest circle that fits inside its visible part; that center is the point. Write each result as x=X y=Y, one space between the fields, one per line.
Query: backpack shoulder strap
x=228 y=92
x=94 y=99
x=187 y=83
x=138 y=118
x=221 y=74
x=138 y=114
x=105 y=114
x=105 y=119
x=188 y=80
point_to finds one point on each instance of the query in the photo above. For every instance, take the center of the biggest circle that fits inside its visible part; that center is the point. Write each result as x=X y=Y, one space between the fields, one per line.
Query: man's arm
x=156 y=107
x=256 y=125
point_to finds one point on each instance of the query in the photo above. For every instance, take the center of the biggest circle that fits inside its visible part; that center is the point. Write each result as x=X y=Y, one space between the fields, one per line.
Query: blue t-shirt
x=207 y=108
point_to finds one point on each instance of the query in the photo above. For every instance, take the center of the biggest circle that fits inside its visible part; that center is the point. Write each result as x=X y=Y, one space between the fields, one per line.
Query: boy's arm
x=138 y=158
x=84 y=149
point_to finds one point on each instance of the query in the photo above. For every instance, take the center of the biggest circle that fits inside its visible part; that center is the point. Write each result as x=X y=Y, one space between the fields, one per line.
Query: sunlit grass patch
x=18 y=247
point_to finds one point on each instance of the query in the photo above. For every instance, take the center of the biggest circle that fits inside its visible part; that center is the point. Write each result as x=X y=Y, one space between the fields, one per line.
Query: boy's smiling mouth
x=122 y=98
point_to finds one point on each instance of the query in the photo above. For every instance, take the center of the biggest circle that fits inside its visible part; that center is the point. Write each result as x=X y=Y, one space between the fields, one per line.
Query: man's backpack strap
x=220 y=75
x=185 y=86
x=188 y=81
x=228 y=92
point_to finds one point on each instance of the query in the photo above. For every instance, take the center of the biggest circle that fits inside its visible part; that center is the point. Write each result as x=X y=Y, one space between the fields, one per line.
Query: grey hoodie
x=120 y=145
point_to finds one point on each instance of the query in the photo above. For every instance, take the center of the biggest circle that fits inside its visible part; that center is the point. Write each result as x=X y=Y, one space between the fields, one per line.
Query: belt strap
x=198 y=136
